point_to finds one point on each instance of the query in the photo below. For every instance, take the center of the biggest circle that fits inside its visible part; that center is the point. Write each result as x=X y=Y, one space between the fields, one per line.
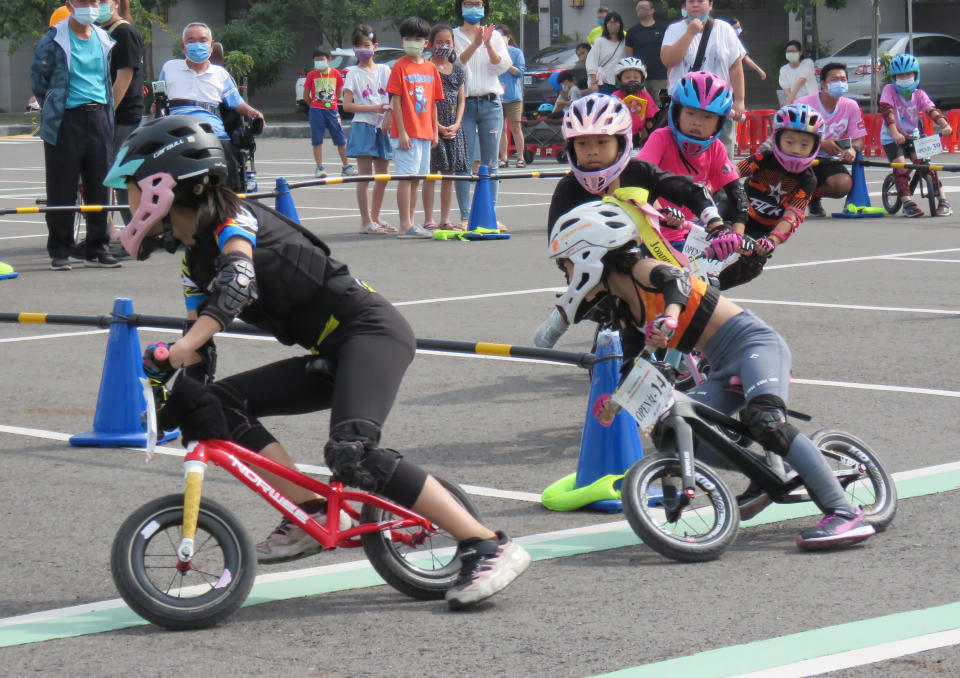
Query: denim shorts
x=414 y=161
x=326 y=119
x=367 y=140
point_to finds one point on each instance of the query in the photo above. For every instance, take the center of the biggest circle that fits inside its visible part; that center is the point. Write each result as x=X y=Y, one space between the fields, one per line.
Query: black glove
x=197 y=412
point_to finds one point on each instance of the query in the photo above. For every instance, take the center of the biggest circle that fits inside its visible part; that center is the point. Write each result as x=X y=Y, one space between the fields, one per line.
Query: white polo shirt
x=211 y=86
x=483 y=77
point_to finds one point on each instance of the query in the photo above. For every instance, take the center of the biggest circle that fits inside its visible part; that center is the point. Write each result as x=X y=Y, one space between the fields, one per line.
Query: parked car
x=939 y=57
x=536 y=79
x=342 y=58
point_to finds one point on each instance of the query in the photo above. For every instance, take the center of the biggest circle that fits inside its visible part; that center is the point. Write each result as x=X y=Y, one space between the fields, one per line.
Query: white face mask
x=905 y=83
x=320 y=64
x=793 y=57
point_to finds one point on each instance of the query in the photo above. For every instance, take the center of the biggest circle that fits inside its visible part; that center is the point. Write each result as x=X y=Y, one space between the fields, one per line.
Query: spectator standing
x=579 y=69
x=843 y=135
x=643 y=41
x=483 y=55
x=722 y=55
x=126 y=71
x=70 y=76
x=414 y=89
x=606 y=51
x=512 y=81
x=597 y=30
x=322 y=90
x=738 y=29
x=798 y=76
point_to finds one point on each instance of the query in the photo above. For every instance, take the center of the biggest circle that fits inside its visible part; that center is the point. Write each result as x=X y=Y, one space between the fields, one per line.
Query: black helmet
x=181 y=146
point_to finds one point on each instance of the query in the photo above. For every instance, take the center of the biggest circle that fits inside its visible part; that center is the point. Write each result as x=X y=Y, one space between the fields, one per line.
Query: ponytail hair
x=215 y=206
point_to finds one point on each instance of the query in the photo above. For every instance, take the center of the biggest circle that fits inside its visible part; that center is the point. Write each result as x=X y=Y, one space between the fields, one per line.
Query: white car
x=342 y=59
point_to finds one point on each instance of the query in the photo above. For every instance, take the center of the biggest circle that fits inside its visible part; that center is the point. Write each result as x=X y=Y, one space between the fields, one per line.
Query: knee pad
x=355 y=458
x=766 y=418
x=901 y=178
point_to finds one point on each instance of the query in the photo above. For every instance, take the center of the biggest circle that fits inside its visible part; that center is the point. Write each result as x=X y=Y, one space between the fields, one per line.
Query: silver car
x=939 y=57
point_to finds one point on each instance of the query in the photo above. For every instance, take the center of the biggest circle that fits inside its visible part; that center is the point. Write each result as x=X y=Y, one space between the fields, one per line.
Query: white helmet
x=631 y=63
x=584 y=235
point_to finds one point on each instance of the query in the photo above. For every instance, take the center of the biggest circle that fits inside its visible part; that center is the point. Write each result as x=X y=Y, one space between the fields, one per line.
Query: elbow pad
x=889 y=117
x=234 y=288
x=673 y=283
x=739 y=206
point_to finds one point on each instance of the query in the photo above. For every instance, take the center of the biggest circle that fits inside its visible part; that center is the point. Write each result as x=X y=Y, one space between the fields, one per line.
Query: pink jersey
x=908 y=111
x=846 y=121
x=711 y=168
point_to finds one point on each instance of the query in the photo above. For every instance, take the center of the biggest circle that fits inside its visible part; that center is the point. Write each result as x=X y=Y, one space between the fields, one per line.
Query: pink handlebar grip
x=161 y=352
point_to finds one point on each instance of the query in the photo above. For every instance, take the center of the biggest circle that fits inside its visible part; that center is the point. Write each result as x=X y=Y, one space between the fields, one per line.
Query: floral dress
x=450 y=155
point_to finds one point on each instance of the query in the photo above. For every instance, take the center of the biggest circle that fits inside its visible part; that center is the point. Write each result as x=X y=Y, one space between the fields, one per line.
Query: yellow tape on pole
x=35 y=318
x=484 y=348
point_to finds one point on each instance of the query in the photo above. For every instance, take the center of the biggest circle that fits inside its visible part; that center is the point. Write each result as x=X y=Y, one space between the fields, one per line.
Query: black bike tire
x=931 y=197
x=879 y=515
x=679 y=547
x=128 y=567
x=891 y=199
x=400 y=573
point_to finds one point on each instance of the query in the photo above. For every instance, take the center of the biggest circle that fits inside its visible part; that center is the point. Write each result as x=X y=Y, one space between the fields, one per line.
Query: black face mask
x=632 y=87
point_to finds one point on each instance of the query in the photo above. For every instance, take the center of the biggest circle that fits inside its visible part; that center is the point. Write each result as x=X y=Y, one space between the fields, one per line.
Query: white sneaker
x=487 y=566
x=290 y=542
x=320 y=173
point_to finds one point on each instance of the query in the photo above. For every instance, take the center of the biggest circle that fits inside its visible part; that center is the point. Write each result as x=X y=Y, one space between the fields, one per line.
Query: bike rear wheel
x=891 y=199
x=419 y=563
x=702 y=531
x=150 y=578
x=861 y=473
x=931 y=196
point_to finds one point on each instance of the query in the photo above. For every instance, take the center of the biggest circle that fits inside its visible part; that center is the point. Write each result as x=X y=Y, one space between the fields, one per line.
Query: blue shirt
x=87 y=69
x=513 y=84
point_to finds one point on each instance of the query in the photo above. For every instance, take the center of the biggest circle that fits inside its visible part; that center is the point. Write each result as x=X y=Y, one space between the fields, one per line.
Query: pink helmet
x=598 y=114
x=707 y=92
x=799 y=118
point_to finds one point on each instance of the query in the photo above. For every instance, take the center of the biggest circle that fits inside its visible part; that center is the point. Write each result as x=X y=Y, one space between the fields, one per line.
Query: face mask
x=473 y=15
x=793 y=57
x=413 y=48
x=198 y=52
x=632 y=87
x=837 y=89
x=86 y=16
x=905 y=83
x=739 y=30
x=363 y=54
x=105 y=13
x=321 y=64
x=599 y=21
x=442 y=51
x=683 y=12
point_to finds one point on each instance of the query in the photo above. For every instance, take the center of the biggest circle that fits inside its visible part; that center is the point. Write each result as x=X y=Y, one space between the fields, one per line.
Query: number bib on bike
x=927 y=147
x=645 y=394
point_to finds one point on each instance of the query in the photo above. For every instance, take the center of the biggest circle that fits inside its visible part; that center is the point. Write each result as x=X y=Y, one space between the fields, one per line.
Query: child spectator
x=365 y=95
x=450 y=154
x=414 y=87
x=631 y=74
x=901 y=104
x=322 y=91
x=569 y=92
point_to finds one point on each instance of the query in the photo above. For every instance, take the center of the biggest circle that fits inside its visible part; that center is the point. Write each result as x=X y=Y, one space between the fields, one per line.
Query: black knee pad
x=245 y=429
x=355 y=458
x=766 y=418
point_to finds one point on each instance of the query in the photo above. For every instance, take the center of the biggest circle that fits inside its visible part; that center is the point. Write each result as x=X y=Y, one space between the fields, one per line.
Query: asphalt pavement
x=869 y=308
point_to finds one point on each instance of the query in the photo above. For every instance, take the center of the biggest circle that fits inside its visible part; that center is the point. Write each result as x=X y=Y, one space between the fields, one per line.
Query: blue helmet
x=901 y=65
x=545 y=108
x=707 y=92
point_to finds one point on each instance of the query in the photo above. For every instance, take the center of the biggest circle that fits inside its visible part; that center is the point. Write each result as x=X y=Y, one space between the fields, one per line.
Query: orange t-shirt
x=419 y=88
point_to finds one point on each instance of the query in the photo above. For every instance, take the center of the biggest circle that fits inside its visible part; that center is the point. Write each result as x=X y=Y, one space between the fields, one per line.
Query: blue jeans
x=483 y=123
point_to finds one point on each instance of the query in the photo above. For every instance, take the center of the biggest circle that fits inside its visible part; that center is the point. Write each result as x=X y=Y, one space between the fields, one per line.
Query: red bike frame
x=238 y=460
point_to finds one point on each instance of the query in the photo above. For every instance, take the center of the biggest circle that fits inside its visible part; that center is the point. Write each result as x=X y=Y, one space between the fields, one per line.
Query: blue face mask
x=198 y=52
x=473 y=15
x=599 y=21
x=837 y=89
x=105 y=13
x=86 y=16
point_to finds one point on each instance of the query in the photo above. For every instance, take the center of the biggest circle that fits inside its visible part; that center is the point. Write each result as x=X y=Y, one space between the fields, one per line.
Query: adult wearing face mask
x=798 y=77
x=196 y=87
x=482 y=53
x=70 y=76
x=843 y=135
x=722 y=55
x=597 y=30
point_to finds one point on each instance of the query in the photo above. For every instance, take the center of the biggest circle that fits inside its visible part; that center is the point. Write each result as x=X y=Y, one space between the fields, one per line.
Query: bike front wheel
x=861 y=473
x=157 y=586
x=891 y=199
x=420 y=563
x=701 y=531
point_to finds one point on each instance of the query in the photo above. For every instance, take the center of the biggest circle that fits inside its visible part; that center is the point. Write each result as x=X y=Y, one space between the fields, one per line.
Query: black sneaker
x=840 y=528
x=102 y=261
x=60 y=264
x=487 y=566
x=815 y=208
x=752 y=501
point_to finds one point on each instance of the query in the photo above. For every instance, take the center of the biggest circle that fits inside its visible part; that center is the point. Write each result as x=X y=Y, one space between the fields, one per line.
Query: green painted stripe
x=317 y=581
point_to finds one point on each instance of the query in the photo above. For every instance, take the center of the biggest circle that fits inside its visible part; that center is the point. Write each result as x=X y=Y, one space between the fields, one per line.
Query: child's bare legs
x=318 y=154
x=406 y=203
x=293 y=492
x=428 y=196
x=381 y=166
x=504 y=144
x=446 y=197
x=516 y=129
x=342 y=150
x=364 y=164
x=438 y=506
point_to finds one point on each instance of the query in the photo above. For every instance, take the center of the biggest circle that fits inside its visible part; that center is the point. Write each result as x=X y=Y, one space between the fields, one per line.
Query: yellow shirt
x=594 y=34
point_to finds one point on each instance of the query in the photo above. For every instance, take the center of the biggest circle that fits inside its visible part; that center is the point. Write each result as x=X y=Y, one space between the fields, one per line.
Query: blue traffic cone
x=858 y=200
x=6 y=271
x=116 y=422
x=284 y=204
x=606 y=452
x=483 y=215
